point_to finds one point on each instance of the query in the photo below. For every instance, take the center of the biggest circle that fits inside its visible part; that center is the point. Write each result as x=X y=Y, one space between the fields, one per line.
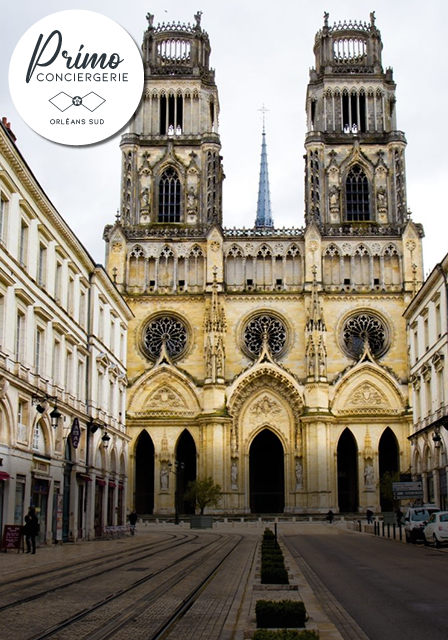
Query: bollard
x=383 y=528
x=394 y=528
x=388 y=529
x=359 y=526
x=275 y=532
x=401 y=532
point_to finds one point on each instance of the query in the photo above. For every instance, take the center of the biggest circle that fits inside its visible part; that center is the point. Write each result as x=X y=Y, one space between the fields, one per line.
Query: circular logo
x=76 y=77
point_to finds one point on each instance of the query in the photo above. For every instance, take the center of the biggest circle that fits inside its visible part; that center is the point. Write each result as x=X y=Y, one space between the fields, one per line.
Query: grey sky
x=262 y=52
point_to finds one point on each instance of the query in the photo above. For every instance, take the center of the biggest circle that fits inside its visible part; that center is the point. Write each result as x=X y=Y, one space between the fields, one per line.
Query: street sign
x=403 y=490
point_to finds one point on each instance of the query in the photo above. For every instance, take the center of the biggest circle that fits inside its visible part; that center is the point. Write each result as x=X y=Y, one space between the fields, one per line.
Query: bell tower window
x=357 y=195
x=169 y=196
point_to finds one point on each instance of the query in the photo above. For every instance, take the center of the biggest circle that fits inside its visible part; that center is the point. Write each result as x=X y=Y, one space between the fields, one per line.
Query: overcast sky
x=262 y=52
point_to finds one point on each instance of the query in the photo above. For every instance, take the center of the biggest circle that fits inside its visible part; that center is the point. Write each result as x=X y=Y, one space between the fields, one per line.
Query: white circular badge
x=76 y=77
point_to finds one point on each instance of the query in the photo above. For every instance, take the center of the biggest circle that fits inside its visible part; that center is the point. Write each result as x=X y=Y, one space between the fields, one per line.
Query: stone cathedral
x=273 y=360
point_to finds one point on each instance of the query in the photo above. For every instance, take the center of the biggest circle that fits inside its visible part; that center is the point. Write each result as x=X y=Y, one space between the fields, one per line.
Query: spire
x=264 y=214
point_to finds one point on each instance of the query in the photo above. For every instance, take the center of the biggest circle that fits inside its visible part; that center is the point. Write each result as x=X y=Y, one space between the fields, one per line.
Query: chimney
x=7 y=126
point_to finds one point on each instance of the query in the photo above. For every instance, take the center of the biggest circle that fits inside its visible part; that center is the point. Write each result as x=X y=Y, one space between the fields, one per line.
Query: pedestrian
x=399 y=516
x=31 y=530
x=330 y=516
x=132 y=517
x=369 y=516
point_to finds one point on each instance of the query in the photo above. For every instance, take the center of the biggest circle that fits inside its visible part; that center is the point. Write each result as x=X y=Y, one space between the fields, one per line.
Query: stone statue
x=369 y=475
x=197 y=17
x=209 y=361
x=144 y=198
x=219 y=361
x=299 y=475
x=334 y=199
x=150 y=19
x=234 y=476
x=372 y=18
x=164 y=478
x=191 y=200
x=326 y=16
x=381 y=198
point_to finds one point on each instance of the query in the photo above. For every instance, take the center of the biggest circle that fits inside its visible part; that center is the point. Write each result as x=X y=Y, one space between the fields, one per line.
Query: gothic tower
x=171 y=167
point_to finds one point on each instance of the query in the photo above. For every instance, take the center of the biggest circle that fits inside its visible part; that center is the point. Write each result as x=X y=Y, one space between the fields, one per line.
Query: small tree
x=202 y=493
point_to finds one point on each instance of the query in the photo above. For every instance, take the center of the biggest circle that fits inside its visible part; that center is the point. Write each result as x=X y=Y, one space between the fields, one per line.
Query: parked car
x=436 y=530
x=415 y=521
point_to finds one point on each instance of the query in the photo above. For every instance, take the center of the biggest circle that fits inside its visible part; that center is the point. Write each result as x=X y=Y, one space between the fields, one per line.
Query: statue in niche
x=381 y=198
x=192 y=201
x=334 y=199
x=219 y=355
x=164 y=479
x=234 y=476
x=144 y=199
x=209 y=361
x=369 y=475
x=299 y=475
x=322 y=359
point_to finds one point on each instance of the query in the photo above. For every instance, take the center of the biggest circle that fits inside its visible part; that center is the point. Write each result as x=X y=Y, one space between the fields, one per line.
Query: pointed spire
x=264 y=213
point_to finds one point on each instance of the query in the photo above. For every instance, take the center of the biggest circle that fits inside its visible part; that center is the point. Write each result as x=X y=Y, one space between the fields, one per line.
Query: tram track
x=66 y=573
x=187 y=577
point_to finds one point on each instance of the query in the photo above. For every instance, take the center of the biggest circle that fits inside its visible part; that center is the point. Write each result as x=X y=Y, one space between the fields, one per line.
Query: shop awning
x=4 y=475
x=112 y=484
x=100 y=482
x=84 y=476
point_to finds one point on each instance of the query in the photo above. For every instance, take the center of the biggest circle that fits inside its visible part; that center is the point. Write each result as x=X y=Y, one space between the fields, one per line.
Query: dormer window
x=357 y=195
x=169 y=196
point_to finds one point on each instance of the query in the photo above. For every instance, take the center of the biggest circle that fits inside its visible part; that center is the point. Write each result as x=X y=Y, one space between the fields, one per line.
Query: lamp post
x=178 y=469
x=41 y=401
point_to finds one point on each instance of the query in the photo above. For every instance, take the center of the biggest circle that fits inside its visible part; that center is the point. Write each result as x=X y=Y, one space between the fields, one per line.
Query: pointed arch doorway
x=389 y=466
x=347 y=473
x=144 y=475
x=186 y=454
x=267 y=474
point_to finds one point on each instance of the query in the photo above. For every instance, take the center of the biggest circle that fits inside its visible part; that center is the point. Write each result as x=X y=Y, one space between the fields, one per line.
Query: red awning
x=84 y=476
x=100 y=482
x=4 y=475
x=112 y=484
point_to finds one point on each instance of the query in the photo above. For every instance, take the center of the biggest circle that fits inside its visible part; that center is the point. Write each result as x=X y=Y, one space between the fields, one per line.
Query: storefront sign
x=403 y=490
x=12 y=537
x=75 y=433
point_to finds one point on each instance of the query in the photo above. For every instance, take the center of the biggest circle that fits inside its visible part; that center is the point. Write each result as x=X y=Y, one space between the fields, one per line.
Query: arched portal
x=186 y=454
x=267 y=474
x=144 y=474
x=389 y=467
x=347 y=473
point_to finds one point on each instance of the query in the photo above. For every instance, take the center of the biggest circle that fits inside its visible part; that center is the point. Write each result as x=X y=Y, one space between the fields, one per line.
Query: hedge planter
x=201 y=522
x=280 y=614
x=284 y=634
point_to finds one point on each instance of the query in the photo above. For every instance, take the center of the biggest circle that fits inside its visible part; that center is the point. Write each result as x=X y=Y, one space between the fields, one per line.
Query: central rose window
x=168 y=330
x=264 y=327
x=362 y=329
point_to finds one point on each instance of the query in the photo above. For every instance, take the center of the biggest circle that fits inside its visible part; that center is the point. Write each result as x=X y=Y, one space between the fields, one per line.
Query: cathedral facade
x=272 y=360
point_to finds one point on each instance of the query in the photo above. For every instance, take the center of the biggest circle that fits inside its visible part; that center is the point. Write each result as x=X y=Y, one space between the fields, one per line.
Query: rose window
x=264 y=327
x=361 y=329
x=167 y=330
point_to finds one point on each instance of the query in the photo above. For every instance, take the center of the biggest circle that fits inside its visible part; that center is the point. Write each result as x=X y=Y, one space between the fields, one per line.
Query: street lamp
x=105 y=439
x=178 y=469
x=41 y=401
x=436 y=438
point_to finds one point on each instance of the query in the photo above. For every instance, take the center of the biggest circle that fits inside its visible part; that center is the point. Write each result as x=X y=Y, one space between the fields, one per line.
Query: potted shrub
x=280 y=614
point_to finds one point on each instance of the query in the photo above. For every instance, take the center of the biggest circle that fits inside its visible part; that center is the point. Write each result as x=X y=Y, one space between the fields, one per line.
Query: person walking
x=31 y=530
x=132 y=517
x=369 y=516
x=330 y=516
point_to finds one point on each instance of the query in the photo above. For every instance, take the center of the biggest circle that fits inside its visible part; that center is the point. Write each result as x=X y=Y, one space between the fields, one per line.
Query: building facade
x=427 y=317
x=273 y=360
x=63 y=333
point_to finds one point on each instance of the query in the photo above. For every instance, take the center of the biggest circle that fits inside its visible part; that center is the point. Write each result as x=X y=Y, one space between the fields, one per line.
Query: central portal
x=267 y=474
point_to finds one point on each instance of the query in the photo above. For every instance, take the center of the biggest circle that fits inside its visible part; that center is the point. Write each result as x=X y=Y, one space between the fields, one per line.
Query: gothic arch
x=162 y=391
x=347 y=467
x=186 y=454
x=367 y=389
x=144 y=453
x=266 y=455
